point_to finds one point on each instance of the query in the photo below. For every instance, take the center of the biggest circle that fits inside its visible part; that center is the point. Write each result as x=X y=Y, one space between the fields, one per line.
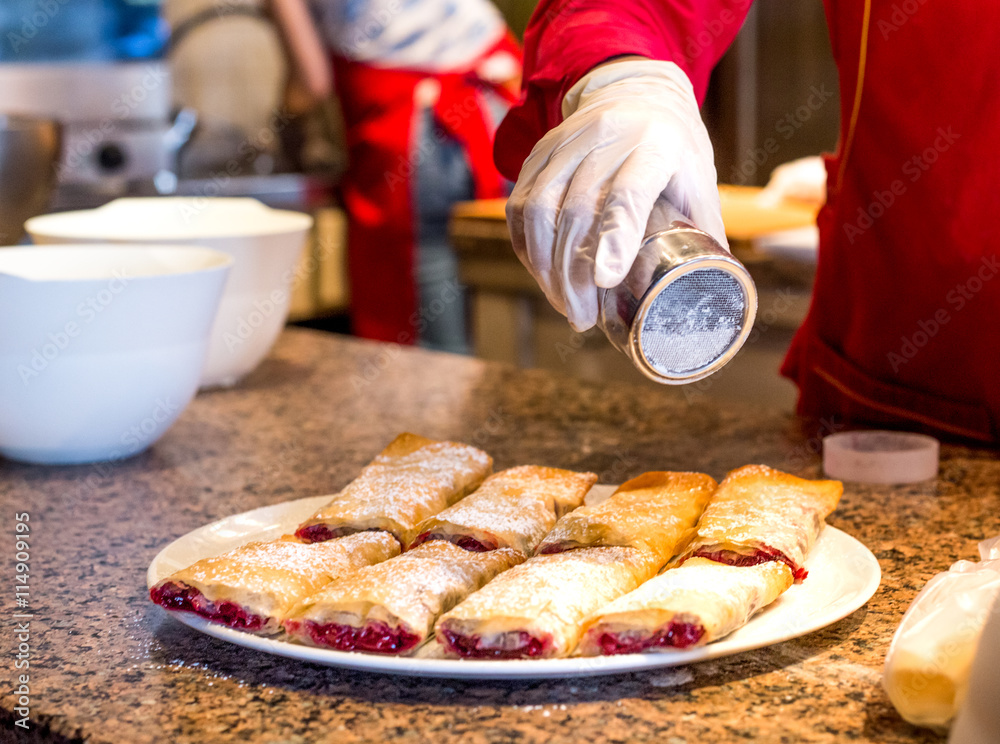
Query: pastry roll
x=412 y=479
x=687 y=606
x=512 y=509
x=536 y=610
x=656 y=512
x=391 y=608
x=253 y=587
x=759 y=514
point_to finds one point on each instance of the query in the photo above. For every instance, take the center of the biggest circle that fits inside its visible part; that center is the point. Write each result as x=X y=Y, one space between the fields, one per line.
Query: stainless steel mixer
x=29 y=153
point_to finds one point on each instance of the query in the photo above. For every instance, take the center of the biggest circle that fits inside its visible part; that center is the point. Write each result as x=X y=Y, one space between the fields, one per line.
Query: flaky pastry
x=656 y=512
x=412 y=479
x=759 y=514
x=391 y=608
x=514 y=508
x=536 y=610
x=691 y=605
x=254 y=586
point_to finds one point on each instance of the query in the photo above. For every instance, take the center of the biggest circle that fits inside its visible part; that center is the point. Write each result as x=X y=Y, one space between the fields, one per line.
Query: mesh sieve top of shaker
x=692 y=321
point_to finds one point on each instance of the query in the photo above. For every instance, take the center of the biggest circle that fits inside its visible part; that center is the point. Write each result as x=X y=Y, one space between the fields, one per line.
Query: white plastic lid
x=880 y=456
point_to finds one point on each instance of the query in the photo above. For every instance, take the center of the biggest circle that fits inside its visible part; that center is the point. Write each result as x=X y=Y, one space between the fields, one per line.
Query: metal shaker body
x=684 y=309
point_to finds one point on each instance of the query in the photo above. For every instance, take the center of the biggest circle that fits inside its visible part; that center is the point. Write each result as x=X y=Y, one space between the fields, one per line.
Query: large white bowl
x=265 y=242
x=101 y=348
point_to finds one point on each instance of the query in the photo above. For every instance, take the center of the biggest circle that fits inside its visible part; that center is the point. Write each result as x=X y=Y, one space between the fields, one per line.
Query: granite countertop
x=109 y=666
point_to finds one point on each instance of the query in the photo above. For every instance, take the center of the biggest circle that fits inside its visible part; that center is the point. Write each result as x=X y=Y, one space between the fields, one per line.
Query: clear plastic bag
x=927 y=667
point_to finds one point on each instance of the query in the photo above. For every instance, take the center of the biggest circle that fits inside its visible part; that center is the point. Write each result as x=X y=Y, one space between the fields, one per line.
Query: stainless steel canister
x=684 y=309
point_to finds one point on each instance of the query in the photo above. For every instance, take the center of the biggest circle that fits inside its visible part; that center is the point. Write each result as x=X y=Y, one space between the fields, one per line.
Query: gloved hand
x=631 y=135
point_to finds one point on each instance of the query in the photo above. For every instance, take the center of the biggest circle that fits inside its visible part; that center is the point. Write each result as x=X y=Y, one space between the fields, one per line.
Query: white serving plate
x=843 y=575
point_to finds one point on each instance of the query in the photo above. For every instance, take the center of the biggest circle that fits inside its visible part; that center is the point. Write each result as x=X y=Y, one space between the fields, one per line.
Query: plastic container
x=886 y=457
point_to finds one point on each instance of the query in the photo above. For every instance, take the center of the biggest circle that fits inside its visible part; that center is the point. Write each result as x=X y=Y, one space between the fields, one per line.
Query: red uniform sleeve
x=566 y=38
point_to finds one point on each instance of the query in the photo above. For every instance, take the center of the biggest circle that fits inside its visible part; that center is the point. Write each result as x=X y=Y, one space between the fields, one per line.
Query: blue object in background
x=81 y=30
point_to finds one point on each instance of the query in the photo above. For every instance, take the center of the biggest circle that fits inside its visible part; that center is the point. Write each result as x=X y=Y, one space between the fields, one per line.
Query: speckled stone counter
x=109 y=666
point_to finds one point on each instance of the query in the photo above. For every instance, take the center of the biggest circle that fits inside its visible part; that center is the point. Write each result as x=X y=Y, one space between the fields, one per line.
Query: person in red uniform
x=420 y=84
x=902 y=329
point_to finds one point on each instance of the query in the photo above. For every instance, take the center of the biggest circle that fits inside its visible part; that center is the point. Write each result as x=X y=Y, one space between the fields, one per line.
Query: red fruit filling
x=375 y=637
x=183 y=598
x=315 y=533
x=472 y=647
x=550 y=549
x=672 y=635
x=760 y=555
x=466 y=542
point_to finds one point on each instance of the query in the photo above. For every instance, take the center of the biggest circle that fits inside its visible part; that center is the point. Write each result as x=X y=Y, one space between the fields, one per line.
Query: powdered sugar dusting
x=514 y=508
x=396 y=491
x=410 y=590
x=267 y=578
x=550 y=595
x=759 y=507
x=655 y=512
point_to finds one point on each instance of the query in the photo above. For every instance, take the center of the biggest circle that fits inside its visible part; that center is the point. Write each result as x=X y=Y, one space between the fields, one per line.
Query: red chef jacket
x=903 y=326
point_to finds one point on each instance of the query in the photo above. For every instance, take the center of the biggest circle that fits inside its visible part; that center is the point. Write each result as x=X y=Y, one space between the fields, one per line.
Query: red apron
x=379 y=113
x=903 y=326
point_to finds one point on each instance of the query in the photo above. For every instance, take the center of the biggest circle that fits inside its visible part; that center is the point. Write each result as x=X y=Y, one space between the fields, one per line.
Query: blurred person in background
x=422 y=85
x=902 y=330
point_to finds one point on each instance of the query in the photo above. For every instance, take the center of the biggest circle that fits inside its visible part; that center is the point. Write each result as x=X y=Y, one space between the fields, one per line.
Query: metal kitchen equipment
x=97 y=67
x=116 y=116
x=684 y=309
x=29 y=151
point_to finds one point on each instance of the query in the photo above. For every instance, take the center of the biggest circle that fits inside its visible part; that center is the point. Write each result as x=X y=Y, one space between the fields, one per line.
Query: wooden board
x=743 y=216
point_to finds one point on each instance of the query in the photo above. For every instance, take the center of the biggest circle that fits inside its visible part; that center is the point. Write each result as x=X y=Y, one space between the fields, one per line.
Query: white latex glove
x=803 y=179
x=631 y=135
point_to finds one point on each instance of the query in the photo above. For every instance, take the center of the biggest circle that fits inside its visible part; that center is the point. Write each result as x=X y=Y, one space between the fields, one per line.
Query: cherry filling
x=467 y=542
x=760 y=555
x=672 y=635
x=314 y=533
x=183 y=598
x=472 y=647
x=550 y=549
x=375 y=637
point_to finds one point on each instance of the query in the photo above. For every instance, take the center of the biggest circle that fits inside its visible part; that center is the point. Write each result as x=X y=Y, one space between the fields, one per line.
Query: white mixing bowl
x=101 y=347
x=265 y=242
